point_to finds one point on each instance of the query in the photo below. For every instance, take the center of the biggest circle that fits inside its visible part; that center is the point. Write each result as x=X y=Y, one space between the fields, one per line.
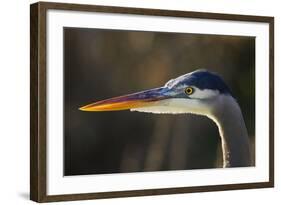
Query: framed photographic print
x=134 y=102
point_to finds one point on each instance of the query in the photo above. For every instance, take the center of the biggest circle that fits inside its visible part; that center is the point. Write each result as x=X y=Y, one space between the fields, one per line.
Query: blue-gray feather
x=202 y=79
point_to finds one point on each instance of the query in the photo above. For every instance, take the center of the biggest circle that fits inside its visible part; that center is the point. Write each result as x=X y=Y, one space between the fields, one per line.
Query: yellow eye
x=189 y=90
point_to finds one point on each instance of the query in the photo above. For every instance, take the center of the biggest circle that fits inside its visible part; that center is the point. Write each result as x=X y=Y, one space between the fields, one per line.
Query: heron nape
x=200 y=92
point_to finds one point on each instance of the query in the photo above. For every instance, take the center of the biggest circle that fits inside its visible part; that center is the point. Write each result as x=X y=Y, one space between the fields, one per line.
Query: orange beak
x=126 y=102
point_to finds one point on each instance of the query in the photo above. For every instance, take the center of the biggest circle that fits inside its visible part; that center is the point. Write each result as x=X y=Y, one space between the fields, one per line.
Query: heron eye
x=189 y=90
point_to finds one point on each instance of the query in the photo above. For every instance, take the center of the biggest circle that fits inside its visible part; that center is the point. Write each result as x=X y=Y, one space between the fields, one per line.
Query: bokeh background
x=100 y=64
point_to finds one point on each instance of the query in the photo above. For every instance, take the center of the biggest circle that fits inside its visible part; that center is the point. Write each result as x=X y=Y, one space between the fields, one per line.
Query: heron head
x=194 y=92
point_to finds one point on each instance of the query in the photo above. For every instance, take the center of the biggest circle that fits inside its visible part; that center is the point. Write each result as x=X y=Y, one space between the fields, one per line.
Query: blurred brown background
x=100 y=64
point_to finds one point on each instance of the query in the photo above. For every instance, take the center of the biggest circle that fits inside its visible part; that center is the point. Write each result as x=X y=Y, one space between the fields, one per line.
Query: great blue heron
x=200 y=92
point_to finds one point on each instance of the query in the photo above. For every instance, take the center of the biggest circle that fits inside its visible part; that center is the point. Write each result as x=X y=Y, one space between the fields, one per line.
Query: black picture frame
x=38 y=101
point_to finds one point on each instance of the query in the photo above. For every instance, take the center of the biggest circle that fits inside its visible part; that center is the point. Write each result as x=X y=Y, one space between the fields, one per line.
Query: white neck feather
x=234 y=137
x=225 y=112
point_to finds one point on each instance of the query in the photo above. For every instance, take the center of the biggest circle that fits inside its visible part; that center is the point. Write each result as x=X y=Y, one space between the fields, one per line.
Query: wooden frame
x=38 y=101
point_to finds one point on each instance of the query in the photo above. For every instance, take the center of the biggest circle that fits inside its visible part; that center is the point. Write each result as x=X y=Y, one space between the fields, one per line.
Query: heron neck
x=233 y=132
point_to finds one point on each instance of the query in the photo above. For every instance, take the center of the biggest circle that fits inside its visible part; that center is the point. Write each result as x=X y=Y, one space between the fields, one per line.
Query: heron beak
x=125 y=102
